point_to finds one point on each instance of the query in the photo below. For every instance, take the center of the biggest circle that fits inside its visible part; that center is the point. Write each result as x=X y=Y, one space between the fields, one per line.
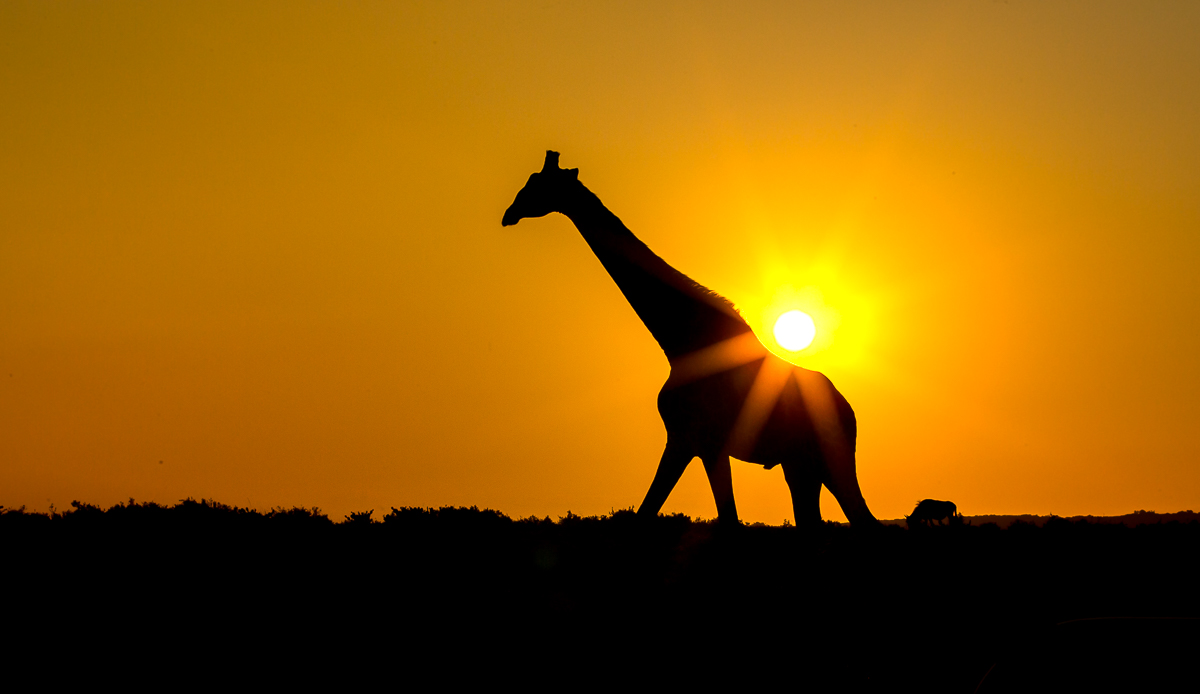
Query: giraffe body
x=727 y=395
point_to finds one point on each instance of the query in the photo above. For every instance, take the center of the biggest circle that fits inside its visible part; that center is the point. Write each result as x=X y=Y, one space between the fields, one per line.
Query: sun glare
x=795 y=330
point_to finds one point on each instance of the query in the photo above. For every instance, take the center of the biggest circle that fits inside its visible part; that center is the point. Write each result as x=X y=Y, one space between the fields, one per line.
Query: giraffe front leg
x=674 y=461
x=720 y=478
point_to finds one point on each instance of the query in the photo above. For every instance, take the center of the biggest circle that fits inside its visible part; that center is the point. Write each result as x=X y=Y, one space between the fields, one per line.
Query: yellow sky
x=261 y=244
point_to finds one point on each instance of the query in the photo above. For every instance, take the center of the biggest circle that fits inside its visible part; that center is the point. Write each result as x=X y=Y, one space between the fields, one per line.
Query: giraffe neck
x=682 y=315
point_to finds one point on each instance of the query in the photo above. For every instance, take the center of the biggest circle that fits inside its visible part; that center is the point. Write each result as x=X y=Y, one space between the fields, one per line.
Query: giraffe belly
x=789 y=433
x=713 y=416
x=702 y=412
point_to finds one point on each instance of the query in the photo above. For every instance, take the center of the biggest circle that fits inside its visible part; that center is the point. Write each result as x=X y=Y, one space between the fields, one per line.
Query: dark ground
x=457 y=596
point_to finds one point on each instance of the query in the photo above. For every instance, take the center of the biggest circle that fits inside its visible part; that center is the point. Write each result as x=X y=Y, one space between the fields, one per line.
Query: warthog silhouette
x=931 y=510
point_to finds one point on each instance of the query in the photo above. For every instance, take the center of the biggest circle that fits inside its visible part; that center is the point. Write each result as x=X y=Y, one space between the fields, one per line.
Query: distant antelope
x=726 y=395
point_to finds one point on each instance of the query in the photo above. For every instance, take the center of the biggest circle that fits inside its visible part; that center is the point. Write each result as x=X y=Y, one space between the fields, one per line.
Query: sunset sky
x=252 y=251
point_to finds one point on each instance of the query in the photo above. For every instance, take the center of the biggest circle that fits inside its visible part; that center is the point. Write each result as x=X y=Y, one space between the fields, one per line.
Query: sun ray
x=756 y=409
x=722 y=356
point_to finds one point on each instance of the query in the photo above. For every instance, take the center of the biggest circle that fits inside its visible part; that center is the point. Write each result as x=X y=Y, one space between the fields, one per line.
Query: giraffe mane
x=699 y=289
x=710 y=294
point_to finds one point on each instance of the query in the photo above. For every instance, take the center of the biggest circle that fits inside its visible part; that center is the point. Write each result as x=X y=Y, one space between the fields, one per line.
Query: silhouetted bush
x=359 y=518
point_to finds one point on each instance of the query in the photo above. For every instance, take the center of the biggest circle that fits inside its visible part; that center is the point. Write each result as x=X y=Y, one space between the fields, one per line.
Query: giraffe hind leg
x=805 y=486
x=842 y=481
x=720 y=478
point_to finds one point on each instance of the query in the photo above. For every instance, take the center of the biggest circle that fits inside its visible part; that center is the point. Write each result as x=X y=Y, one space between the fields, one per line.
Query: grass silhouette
x=472 y=593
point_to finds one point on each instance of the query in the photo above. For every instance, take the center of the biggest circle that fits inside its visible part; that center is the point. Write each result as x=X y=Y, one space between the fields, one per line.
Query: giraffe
x=727 y=395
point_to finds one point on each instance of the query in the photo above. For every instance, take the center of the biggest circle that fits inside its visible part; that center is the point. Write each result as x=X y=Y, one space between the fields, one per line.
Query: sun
x=795 y=330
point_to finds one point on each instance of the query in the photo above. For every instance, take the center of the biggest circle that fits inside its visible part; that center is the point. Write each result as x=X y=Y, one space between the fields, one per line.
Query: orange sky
x=261 y=244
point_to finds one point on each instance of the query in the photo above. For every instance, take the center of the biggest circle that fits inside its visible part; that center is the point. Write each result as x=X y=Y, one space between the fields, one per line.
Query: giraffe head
x=544 y=193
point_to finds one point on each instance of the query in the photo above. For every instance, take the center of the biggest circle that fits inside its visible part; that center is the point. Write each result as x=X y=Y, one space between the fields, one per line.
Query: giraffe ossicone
x=727 y=395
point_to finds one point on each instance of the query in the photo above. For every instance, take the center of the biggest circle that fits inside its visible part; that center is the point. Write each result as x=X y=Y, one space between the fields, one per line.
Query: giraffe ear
x=573 y=174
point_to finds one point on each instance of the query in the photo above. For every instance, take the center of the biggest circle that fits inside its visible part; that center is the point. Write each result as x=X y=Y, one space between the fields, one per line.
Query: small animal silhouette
x=727 y=395
x=931 y=510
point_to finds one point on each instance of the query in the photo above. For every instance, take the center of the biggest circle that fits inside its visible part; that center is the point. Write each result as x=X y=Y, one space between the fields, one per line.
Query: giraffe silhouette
x=727 y=395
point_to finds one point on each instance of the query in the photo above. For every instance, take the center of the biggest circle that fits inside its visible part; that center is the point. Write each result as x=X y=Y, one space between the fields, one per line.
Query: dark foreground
x=459 y=596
